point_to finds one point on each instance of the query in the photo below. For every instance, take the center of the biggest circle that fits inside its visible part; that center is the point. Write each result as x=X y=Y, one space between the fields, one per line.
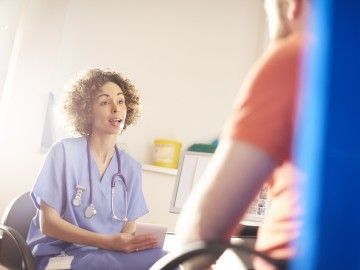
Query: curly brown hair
x=79 y=98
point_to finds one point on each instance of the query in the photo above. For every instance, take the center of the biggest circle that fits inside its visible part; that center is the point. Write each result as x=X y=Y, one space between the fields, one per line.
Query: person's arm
x=233 y=178
x=51 y=224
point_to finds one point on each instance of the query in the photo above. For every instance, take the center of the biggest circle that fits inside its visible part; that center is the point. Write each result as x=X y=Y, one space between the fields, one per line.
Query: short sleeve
x=50 y=184
x=137 y=204
x=264 y=113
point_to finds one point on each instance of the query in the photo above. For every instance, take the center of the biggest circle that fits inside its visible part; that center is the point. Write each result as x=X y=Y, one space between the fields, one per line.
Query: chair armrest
x=25 y=252
x=191 y=250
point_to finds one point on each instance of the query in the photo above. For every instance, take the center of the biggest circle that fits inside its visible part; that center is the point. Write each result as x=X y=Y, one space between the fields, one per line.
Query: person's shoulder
x=73 y=141
x=287 y=50
x=275 y=73
x=280 y=64
x=62 y=145
x=69 y=142
x=130 y=161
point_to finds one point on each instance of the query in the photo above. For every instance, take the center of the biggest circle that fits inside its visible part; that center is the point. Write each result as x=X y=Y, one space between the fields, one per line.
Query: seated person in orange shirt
x=256 y=146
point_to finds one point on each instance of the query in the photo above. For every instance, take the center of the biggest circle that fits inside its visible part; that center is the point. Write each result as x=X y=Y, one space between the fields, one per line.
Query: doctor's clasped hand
x=131 y=243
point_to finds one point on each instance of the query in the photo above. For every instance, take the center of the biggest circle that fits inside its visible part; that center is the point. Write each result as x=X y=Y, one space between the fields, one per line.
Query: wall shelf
x=152 y=168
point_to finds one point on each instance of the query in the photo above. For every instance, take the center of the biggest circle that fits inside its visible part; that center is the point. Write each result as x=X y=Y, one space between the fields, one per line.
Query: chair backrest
x=26 y=260
x=171 y=261
x=18 y=216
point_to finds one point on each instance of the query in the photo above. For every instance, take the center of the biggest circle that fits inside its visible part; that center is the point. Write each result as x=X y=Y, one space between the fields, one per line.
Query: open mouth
x=115 y=122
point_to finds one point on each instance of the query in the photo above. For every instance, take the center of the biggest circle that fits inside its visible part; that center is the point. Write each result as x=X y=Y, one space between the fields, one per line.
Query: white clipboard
x=158 y=230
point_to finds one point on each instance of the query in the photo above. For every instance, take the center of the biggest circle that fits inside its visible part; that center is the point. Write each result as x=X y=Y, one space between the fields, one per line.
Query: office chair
x=15 y=222
x=191 y=250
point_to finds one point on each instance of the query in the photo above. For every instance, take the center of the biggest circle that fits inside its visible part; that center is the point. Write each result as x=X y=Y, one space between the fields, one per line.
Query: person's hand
x=126 y=242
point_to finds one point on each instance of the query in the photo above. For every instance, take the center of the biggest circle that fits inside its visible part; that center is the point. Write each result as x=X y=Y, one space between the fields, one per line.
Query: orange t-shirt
x=264 y=117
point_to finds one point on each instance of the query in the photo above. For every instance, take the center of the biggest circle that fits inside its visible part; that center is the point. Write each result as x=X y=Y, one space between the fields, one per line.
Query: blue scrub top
x=65 y=167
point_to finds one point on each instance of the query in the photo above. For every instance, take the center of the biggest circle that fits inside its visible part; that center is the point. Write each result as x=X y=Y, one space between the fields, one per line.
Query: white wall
x=187 y=58
x=30 y=76
x=9 y=20
x=158 y=189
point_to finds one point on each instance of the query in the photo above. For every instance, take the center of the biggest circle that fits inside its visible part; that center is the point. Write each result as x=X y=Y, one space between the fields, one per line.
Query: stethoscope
x=90 y=211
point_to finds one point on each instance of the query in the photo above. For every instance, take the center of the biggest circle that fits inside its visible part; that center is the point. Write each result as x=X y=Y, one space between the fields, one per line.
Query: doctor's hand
x=127 y=242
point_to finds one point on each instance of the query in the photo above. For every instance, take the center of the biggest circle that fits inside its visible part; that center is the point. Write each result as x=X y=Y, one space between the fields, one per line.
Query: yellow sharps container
x=167 y=153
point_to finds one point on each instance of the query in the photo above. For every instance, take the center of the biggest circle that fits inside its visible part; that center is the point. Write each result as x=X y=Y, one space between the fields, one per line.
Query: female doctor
x=88 y=192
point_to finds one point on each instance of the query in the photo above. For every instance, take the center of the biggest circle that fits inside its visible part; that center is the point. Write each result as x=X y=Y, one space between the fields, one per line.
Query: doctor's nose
x=114 y=108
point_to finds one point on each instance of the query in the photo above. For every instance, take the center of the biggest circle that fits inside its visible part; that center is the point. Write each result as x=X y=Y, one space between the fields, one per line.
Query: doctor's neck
x=102 y=145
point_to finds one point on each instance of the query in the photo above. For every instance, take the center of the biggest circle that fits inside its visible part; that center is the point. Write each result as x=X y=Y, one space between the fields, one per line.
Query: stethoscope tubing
x=89 y=169
x=113 y=181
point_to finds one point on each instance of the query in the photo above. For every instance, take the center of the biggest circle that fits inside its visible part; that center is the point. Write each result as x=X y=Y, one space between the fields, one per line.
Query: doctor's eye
x=102 y=103
x=121 y=101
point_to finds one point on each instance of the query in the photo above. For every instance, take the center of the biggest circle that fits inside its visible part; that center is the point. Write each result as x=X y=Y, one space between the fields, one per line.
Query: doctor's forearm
x=54 y=226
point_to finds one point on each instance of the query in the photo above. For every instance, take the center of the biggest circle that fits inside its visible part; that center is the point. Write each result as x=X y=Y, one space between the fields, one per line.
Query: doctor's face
x=108 y=110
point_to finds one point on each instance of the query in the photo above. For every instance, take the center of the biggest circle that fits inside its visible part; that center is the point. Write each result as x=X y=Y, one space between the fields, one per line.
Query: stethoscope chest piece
x=76 y=202
x=79 y=190
x=90 y=211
